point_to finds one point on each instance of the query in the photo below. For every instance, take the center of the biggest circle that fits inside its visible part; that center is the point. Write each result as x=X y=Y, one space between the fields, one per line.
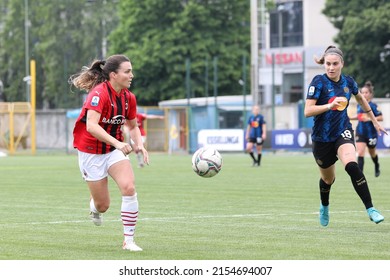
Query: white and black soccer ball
x=207 y=162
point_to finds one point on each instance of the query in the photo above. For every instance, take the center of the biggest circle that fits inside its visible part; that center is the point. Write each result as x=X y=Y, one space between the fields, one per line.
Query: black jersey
x=329 y=125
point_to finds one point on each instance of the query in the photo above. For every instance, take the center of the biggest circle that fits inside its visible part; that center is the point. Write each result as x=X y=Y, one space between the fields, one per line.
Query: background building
x=294 y=33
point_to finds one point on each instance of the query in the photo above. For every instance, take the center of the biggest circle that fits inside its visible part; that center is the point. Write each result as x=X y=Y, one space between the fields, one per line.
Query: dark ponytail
x=98 y=72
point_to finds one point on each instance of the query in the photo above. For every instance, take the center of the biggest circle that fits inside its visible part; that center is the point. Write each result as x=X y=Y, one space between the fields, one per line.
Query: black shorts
x=370 y=142
x=257 y=141
x=325 y=153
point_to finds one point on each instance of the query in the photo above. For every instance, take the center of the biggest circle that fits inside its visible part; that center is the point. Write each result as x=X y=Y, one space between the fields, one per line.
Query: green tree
x=364 y=38
x=158 y=36
x=64 y=35
x=12 y=50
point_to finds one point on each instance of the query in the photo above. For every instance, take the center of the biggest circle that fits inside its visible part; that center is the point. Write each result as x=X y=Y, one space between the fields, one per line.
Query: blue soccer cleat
x=324 y=215
x=374 y=215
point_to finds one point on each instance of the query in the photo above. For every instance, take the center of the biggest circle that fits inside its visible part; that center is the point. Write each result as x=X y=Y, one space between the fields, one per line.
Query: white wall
x=318 y=31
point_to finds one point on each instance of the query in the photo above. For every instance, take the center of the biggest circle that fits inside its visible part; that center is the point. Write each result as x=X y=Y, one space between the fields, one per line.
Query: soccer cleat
x=131 y=246
x=324 y=215
x=97 y=218
x=374 y=215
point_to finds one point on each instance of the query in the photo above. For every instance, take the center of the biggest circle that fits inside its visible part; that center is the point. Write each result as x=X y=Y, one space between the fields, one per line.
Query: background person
x=99 y=140
x=366 y=134
x=256 y=133
x=141 y=117
x=327 y=100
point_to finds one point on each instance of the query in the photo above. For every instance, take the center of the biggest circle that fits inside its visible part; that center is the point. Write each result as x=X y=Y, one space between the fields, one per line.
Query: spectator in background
x=366 y=134
x=141 y=117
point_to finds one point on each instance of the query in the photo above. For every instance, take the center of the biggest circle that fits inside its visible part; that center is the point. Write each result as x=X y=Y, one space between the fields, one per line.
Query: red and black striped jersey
x=114 y=109
x=140 y=122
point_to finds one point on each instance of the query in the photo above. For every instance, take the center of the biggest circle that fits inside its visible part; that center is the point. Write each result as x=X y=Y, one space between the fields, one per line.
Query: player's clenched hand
x=124 y=147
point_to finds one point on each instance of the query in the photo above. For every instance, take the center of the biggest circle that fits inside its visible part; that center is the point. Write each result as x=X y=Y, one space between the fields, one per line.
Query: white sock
x=129 y=215
x=92 y=206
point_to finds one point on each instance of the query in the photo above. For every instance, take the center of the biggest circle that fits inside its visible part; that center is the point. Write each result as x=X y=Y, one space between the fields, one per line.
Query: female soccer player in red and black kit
x=99 y=140
x=327 y=100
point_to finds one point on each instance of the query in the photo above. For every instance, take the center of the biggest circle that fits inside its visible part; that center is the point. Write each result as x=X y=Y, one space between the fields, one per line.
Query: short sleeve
x=315 y=88
x=95 y=100
x=355 y=87
x=376 y=110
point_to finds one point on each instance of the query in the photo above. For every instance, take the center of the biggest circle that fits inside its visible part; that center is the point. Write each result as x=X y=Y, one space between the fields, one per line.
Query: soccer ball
x=206 y=162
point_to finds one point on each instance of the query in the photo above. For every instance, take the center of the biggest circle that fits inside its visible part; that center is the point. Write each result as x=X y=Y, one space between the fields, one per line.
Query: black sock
x=359 y=182
x=258 y=159
x=361 y=163
x=376 y=161
x=324 y=192
x=252 y=156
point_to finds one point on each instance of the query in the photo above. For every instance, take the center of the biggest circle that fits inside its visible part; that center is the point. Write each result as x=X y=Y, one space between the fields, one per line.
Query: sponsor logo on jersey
x=119 y=119
x=95 y=101
x=311 y=90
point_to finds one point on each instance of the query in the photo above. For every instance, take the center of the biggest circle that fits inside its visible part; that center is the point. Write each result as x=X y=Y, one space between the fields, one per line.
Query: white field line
x=186 y=218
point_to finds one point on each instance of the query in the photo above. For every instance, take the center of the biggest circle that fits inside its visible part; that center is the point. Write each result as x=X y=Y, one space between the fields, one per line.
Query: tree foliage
x=364 y=38
x=64 y=35
x=158 y=36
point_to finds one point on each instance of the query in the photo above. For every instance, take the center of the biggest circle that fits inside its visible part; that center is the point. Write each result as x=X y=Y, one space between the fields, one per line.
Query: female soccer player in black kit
x=327 y=100
x=366 y=134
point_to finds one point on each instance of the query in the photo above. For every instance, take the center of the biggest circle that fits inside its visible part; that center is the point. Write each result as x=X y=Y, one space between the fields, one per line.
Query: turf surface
x=244 y=213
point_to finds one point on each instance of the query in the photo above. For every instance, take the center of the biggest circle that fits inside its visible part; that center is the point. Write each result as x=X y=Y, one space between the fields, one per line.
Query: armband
x=369 y=111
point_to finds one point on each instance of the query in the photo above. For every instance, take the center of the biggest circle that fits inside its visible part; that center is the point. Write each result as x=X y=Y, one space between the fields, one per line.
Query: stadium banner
x=294 y=139
x=384 y=140
x=222 y=139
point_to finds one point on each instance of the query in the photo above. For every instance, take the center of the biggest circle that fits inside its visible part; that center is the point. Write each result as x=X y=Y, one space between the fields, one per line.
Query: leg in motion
x=326 y=181
x=361 y=150
x=99 y=201
x=347 y=156
x=375 y=160
x=249 y=150
x=359 y=182
x=259 y=149
x=123 y=175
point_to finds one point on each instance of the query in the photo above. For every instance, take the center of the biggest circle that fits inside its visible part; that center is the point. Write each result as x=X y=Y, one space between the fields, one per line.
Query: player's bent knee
x=128 y=191
x=329 y=181
x=102 y=206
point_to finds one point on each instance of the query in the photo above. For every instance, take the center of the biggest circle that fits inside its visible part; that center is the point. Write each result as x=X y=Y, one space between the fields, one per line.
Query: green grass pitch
x=244 y=213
